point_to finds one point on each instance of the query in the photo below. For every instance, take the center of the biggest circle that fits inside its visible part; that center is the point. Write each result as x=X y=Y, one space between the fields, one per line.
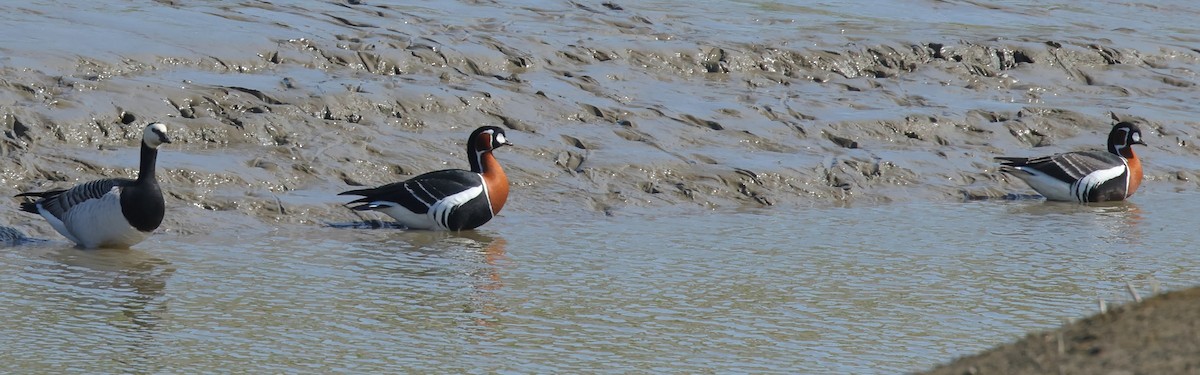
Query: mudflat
x=275 y=108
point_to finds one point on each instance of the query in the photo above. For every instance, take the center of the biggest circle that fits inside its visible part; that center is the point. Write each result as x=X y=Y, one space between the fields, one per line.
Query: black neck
x=142 y=203
x=474 y=156
x=1122 y=150
x=146 y=170
x=476 y=161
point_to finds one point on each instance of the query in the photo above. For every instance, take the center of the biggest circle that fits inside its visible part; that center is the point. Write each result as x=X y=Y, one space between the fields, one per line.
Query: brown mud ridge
x=274 y=109
x=1156 y=336
x=628 y=111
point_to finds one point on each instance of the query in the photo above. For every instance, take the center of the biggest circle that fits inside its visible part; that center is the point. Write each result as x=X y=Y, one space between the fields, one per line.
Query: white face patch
x=500 y=139
x=155 y=135
x=1137 y=137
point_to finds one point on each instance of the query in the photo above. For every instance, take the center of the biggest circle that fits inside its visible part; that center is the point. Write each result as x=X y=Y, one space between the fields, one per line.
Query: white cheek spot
x=500 y=139
x=1137 y=137
x=151 y=137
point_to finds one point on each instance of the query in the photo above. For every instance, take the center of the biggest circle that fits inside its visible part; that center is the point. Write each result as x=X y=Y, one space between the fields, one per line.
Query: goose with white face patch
x=451 y=199
x=112 y=212
x=1087 y=176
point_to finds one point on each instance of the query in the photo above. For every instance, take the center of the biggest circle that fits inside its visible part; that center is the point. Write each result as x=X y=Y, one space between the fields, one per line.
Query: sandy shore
x=610 y=107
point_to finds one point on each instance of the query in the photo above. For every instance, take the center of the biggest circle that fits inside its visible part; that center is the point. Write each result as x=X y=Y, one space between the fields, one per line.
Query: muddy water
x=675 y=181
x=845 y=290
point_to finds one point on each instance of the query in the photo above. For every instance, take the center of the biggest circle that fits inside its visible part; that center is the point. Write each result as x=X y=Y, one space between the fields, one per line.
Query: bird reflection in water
x=487 y=261
x=125 y=287
x=1130 y=228
x=1120 y=221
x=429 y=267
x=489 y=282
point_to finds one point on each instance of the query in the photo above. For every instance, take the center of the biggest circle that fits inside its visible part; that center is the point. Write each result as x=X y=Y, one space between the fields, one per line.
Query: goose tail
x=32 y=206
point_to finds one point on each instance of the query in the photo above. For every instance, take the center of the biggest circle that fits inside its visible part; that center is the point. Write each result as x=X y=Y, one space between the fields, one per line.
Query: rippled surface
x=881 y=289
x=851 y=290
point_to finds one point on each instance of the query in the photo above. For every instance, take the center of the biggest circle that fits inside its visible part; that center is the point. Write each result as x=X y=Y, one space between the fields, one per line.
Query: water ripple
x=857 y=290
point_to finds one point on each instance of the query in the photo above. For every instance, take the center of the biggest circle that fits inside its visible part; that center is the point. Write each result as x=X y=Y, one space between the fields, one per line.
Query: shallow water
x=554 y=286
x=848 y=290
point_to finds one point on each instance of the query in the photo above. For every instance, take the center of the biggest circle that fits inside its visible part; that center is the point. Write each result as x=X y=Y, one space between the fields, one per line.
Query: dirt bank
x=1157 y=336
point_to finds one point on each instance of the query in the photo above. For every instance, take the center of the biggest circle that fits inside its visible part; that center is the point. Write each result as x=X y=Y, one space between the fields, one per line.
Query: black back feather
x=418 y=193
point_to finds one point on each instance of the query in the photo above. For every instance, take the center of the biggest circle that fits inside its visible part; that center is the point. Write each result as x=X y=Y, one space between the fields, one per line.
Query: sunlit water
x=880 y=289
x=848 y=290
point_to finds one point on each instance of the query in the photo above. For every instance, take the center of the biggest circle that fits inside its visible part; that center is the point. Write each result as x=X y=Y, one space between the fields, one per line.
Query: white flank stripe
x=402 y=215
x=1084 y=186
x=1050 y=187
x=485 y=193
x=1128 y=177
x=440 y=211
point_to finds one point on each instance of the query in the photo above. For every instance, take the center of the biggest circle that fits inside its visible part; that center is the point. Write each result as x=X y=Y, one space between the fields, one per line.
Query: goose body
x=1085 y=176
x=112 y=212
x=451 y=199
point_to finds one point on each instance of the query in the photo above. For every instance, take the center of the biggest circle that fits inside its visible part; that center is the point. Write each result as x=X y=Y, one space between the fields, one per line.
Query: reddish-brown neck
x=496 y=180
x=1135 y=171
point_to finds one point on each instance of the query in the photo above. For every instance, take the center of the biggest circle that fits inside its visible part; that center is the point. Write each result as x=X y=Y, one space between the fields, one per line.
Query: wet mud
x=275 y=108
x=611 y=106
